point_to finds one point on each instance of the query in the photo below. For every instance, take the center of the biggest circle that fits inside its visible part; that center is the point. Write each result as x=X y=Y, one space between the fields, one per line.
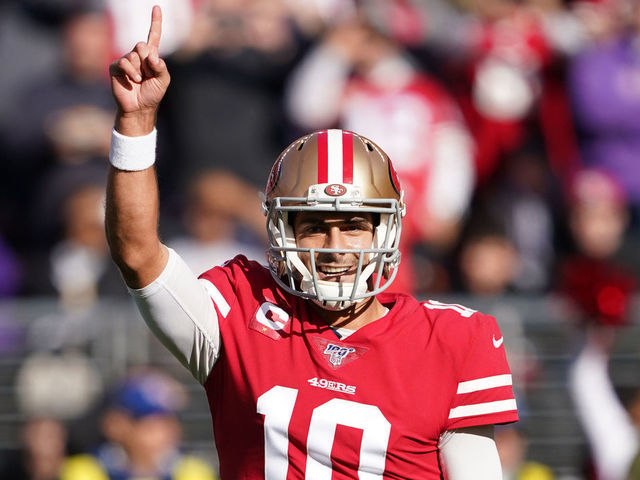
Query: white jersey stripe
x=461 y=309
x=484 y=383
x=216 y=296
x=483 y=408
x=334 y=149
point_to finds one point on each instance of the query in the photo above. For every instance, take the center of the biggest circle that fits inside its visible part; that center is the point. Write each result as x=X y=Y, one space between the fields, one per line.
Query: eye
x=357 y=227
x=312 y=229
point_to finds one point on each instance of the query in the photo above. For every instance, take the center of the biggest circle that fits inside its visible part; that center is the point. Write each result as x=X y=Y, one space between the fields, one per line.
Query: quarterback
x=311 y=369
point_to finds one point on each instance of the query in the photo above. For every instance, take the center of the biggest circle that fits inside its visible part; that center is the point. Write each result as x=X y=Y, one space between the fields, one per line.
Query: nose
x=334 y=238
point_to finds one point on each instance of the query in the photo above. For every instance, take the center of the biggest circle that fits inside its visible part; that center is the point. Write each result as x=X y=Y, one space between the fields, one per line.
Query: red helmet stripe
x=323 y=158
x=347 y=157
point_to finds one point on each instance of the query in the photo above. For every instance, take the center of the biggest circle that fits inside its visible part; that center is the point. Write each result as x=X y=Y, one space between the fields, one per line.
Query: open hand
x=140 y=78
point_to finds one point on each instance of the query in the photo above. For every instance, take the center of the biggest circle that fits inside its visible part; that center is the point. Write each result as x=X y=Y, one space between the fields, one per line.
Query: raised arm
x=139 y=81
x=175 y=305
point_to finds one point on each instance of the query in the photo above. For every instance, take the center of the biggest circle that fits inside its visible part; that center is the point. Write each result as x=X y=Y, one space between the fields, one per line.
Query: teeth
x=333 y=270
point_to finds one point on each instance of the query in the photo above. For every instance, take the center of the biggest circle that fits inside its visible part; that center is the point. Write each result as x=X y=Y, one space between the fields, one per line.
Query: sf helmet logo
x=335 y=190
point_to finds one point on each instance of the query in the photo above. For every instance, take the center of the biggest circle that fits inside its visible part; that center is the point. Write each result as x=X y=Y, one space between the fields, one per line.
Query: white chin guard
x=334 y=290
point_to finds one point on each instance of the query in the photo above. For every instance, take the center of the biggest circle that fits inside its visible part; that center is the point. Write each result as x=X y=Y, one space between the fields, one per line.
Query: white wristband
x=132 y=153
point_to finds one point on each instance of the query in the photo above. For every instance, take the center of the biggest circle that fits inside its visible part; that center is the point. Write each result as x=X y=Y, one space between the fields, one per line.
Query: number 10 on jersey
x=277 y=406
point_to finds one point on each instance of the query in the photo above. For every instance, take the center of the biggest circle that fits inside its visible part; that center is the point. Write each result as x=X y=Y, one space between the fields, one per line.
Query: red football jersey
x=291 y=400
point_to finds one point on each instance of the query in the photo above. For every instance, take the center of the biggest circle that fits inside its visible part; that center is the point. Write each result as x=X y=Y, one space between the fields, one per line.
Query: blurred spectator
x=512 y=449
x=78 y=267
x=504 y=60
x=61 y=386
x=610 y=425
x=605 y=91
x=80 y=258
x=62 y=117
x=488 y=262
x=29 y=41
x=508 y=51
x=527 y=198
x=51 y=389
x=360 y=80
x=228 y=73
x=599 y=278
x=43 y=452
x=508 y=240
x=142 y=435
x=219 y=205
x=520 y=207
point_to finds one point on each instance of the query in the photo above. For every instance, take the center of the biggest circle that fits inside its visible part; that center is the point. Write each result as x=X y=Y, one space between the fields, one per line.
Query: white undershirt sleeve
x=470 y=454
x=179 y=311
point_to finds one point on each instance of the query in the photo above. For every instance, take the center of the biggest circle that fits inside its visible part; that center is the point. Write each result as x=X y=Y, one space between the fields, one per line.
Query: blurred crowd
x=513 y=125
x=133 y=432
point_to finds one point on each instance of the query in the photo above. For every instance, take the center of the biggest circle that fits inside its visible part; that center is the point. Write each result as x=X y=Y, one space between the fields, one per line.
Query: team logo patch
x=338 y=354
x=270 y=320
x=335 y=190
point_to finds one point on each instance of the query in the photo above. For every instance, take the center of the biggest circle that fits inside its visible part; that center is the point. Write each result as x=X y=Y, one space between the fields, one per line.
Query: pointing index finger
x=155 y=30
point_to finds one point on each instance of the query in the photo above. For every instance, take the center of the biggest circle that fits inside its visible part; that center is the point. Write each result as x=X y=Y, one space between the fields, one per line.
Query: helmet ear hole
x=300 y=145
x=369 y=146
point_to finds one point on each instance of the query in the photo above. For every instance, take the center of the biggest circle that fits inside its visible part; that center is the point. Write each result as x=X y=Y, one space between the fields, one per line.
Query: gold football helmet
x=333 y=171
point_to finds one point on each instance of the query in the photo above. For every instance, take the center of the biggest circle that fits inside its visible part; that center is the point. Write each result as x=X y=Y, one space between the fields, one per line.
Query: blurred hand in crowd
x=80 y=131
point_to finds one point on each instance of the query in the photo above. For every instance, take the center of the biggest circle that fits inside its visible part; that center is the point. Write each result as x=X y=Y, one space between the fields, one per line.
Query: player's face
x=347 y=230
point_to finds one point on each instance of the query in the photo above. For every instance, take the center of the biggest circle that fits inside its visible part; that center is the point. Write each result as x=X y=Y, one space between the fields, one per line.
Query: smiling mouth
x=333 y=272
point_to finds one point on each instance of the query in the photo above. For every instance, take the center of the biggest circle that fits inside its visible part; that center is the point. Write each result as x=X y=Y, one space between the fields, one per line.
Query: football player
x=311 y=370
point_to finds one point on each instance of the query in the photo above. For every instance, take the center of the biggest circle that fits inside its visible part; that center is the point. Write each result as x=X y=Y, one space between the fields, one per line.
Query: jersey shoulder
x=240 y=272
x=451 y=324
x=451 y=315
x=458 y=325
x=242 y=282
x=474 y=347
